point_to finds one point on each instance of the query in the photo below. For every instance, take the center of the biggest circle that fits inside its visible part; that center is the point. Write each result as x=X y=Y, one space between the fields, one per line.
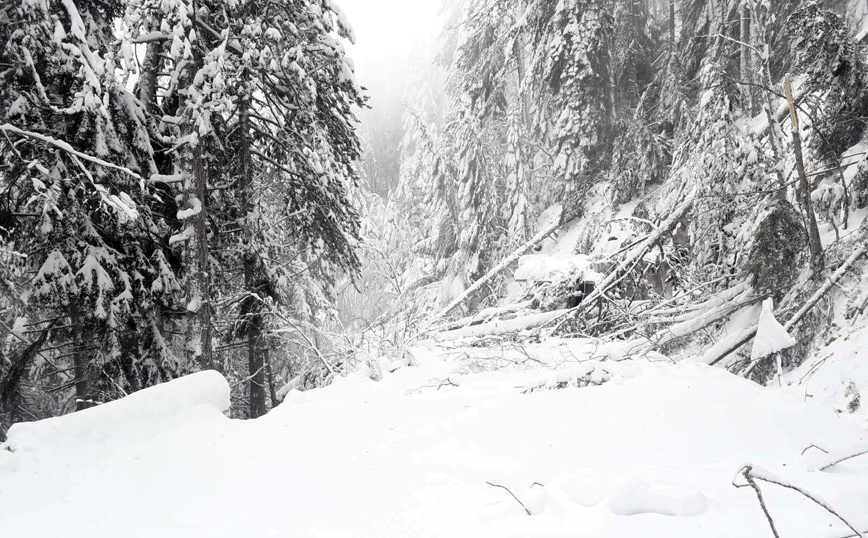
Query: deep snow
x=652 y=452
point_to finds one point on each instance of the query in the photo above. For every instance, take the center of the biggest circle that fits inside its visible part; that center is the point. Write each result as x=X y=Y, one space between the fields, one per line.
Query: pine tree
x=78 y=193
x=835 y=69
x=572 y=62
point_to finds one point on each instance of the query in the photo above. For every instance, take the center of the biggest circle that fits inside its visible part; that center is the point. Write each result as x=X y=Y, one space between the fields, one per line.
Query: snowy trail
x=651 y=453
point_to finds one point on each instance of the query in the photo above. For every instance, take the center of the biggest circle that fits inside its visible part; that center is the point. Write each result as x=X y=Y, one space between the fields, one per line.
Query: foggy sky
x=387 y=31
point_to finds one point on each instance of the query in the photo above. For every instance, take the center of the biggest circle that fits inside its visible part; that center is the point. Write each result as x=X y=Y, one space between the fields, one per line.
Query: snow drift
x=651 y=452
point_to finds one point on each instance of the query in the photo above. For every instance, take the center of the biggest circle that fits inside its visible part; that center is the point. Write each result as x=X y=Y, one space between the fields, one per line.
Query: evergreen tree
x=572 y=62
x=98 y=284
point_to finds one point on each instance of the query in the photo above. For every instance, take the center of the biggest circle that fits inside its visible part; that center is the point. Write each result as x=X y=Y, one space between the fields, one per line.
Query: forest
x=232 y=253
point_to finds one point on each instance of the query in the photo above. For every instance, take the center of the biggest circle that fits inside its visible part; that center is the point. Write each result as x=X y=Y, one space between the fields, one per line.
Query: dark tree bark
x=203 y=275
x=816 y=247
x=79 y=363
x=146 y=89
x=269 y=372
x=746 y=63
x=200 y=224
x=253 y=321
x=256 y=384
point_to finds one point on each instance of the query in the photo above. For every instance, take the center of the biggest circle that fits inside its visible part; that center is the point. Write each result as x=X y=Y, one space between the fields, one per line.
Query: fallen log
x=501 y=326
x=719 y=352
x=630 y=262
x=516 y=254
x=714 y=309
x=485 y=315
x=704 y=319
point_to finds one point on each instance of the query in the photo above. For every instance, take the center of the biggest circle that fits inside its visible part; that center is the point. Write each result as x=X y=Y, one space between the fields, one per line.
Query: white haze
x=386 y=32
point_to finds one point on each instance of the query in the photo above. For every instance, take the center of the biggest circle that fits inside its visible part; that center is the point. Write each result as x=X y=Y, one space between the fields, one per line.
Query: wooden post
x=816 y=247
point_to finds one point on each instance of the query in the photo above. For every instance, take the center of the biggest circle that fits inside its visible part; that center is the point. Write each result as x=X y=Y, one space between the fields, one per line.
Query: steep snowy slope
x=652 y=452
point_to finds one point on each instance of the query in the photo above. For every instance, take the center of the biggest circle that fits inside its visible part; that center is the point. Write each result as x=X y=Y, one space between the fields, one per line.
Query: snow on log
x=718 y=310
x=487 y=314
x=836 y=276
x=502 y=326
x=725 y=346
x=723 y=298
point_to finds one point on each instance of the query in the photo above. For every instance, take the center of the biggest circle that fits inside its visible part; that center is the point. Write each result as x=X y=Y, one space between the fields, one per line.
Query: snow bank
x=836 y=376
x=125 y=420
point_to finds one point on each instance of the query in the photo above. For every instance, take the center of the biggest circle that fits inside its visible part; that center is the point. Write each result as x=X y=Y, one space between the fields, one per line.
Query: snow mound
x=126 y=420
x=623 y=496
x=633 y=496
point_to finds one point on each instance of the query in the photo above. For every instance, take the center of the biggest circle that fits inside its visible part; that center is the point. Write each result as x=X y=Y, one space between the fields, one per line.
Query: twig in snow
x=745 y=472
x=853 y=535
x=809 y=447
x=749 y=473
x=839 y=458
x=813 y=369
x=446 y=383
x=511 y=493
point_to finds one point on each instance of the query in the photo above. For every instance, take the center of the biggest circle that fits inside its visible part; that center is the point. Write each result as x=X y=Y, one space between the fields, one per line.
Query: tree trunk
x=269 y=372
x=814 y=243
x=83 y=398
x=200 y=227
x=527 y=127
x=203 y=274
x=746 y=67
x=147 y=85
x=760 y=19
x=256 y=383
x=255 y=365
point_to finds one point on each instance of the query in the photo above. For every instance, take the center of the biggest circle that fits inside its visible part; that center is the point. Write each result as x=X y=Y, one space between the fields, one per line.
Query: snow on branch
x=834 y=458
x=65 y=146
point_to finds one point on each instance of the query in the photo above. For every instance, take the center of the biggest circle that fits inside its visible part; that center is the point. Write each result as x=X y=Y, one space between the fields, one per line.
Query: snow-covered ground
x=651 y=452
x=836 y=376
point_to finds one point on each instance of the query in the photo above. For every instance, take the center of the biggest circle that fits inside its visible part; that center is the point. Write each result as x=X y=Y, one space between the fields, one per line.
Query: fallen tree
x=501 y=326
x=716 y=308
x=516 y=254
x=629 y=263
x=726 y=347
x=485 y=315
